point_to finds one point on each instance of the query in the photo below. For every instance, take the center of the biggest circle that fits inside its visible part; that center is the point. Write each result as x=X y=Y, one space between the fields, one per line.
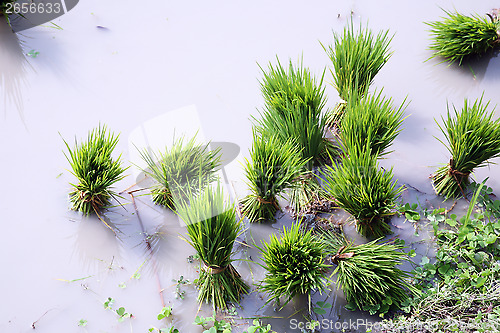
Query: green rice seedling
x=357 y=56
x=281 y=87
x=212 y=227
x=458 y=36
x=294 y=264
x=95 y=170
x=364 y=190
x=368 y=274
x=473 y=138
x=185 y=167
x=372 y=121
x=273 y=167
x=293 y=110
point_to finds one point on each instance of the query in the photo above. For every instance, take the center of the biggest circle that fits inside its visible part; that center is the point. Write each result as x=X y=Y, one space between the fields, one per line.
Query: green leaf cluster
x=95 y=169
x=371 y=121
x=185 y=167
x=369 y=274
x=212 y=227
x=364 y=190
x=274 y=167
x=294 y=264
x=473 y=138
x=458 y=36
x=357 y=56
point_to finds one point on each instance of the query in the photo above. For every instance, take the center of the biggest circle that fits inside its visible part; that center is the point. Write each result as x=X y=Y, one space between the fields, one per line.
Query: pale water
x=122 y=63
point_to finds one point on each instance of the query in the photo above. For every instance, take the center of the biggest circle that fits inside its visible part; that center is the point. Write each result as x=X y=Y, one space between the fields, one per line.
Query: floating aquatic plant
x=364 y=190
x=273 y=167
x=371 y=121
x=458 y=36
x=357 y=56
x=368 y=274
x=212 y=227
x=473 y=138
x=185 y=167
x=95 y=169
x=294 y=264
x=293 y=110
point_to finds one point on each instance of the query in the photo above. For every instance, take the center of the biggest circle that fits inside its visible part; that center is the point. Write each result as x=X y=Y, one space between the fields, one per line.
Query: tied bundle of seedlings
x=280 y=87
x=357 y=56
x=293 y=110
x=274 y=167
x=294 y=104
x=184 y=168
x=457 y=36
x=364 y=190
x=368 y=274
x=473 y=138
x=95 y=170
x=294 y=263
x=212 y=227
x=372 y=121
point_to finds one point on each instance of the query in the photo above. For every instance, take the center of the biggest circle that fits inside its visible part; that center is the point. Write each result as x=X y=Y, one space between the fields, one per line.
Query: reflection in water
x=13 y=64
x=454 y=78
x=97 y=245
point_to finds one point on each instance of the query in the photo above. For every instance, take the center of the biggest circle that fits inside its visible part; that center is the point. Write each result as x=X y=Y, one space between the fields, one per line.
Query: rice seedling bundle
x=362 y=189
x=273 y=167
x=280 y=87
x=473 y=138
x=294 y=264
x=372 y=121
x=95 y=169
x=357 y=56
x=186 y=167
x=293 y=110
x=212 y=227
x=368 y=274
x=458 y=36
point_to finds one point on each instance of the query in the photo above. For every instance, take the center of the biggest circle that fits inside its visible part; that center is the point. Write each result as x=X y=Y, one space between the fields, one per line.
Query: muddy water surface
x=122 y=64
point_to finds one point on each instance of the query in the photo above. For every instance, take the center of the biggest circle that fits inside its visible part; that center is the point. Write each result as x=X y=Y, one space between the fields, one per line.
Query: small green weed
x=179 y=293
x=258 y=328
x=217 y=326
x=460 y=290
x=108 y=304
x=122 y=314
x=321 y=307
x=165 y=312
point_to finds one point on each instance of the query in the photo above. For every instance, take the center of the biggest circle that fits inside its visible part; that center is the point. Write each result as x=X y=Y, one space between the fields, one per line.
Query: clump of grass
x=273 y=167
x=368 y=274
x=281 y=87
x=95 y=169
x=362 y=189
x=372 y=121
x=357 y=56
x=293 y=110
x=473 y=138
x=212 y=227
x=294 y=103
x=186 y=167
x=294 y=263
x=458 y=36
